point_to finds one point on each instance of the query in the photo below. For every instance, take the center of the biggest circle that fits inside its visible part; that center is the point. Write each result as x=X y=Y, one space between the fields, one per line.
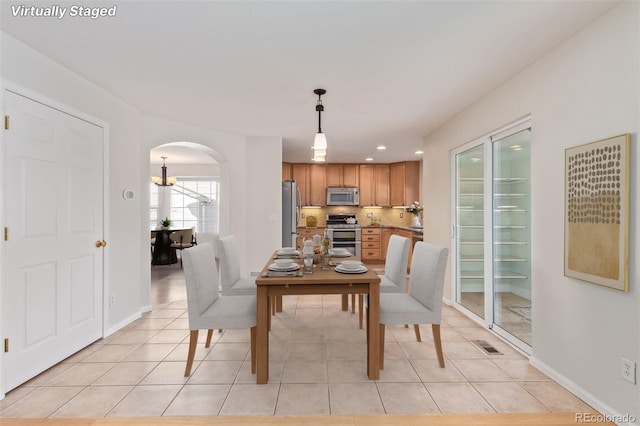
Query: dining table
x=274 y=284
x=163 y=253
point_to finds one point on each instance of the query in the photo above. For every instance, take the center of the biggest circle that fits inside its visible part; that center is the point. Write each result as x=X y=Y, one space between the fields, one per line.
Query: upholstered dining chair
x=181 y=240
x=423 y=303
x=394 y=279
x=207 y=309
x=231 y=281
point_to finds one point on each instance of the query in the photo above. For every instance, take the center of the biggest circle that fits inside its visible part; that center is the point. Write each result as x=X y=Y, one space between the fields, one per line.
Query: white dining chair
x=231 y=281
x=207 y=309
x=394 y=279
x=423 y=303
x=181 y=240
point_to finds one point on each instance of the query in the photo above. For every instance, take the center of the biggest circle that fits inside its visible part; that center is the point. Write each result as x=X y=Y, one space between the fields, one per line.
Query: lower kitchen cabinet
x=370 y=243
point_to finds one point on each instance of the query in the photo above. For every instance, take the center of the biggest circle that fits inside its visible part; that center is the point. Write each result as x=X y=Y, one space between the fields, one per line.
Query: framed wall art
x=596 y=228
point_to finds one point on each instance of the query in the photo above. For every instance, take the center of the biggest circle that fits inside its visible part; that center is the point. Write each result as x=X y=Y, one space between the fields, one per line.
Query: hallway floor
x=317 y=367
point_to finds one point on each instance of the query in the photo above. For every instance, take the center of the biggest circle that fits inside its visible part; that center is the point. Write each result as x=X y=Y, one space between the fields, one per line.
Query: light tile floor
x=317 y=366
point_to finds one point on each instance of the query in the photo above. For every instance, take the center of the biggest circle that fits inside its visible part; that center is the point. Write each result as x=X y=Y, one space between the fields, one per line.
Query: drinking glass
x=308 y=263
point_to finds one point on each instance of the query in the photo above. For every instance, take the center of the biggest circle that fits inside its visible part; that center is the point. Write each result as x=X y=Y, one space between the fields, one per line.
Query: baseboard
x=609 y=413
x=123 y=323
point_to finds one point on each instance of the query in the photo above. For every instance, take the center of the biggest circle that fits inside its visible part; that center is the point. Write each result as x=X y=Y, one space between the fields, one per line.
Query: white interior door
x=52 y=285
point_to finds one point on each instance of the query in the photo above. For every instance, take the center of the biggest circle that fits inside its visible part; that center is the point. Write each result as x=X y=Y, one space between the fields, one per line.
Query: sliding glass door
x=492 y=232
x=469 y=223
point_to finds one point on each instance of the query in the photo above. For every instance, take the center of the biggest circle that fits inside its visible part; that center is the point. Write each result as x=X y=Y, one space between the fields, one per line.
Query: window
x=193 y=203
x=153 y=206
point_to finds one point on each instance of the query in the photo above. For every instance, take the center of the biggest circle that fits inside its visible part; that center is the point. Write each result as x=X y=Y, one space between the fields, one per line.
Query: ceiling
x=393 y=71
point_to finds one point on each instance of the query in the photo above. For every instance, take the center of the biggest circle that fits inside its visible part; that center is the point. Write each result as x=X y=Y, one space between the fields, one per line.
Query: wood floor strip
x=542 y=419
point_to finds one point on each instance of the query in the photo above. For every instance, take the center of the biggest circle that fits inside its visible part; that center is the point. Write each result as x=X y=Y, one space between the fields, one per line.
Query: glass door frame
x=489 y=282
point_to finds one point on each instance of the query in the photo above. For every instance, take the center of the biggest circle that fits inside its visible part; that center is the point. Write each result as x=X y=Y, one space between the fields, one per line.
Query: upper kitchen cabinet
x=317 y=185
x=342 y=175
x=300 y=173
x=286 y=171
x=404 y=183
x=374 y=185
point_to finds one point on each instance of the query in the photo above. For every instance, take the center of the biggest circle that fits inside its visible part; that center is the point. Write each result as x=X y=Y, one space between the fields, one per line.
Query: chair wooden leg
x=361 y=308
x=193 y=340
x=253 y=350
x=438 y=343
x=381 y=346
x=209 y=335
x=416 y=328
x=353 y=303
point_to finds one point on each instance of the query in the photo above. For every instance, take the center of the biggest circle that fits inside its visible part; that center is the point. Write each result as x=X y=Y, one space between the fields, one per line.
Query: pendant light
x=320 y=141
x=164 y=180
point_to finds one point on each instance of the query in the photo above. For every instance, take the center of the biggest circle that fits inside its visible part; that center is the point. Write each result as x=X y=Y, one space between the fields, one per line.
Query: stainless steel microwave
x=343 y=196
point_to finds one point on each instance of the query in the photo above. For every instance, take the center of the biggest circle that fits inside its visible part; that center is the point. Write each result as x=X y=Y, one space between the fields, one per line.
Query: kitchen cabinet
x=317 y=185
x=409 y=235
x=300 y=173
x=370 y=244
x=404 y=183
x=342 y=175
x=286 y=171
x=374 y=185
x=385 y=235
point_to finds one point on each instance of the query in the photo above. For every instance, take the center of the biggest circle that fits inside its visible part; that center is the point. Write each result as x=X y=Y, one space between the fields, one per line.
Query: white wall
x=250 y=175
x=246 y=164
x=264 y=198
x=585 y=90
x=28 y=68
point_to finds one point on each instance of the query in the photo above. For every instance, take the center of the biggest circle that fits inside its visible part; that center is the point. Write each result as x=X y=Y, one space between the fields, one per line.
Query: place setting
x=351 y=267
x=287 y=253
x=283 y=268
x=339 y=252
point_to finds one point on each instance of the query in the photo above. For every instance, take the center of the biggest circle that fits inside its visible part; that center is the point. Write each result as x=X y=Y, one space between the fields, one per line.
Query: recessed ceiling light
x=419 y=152
x=475 y=159
x=368 y=159
x=516 y=147
x=381 y=147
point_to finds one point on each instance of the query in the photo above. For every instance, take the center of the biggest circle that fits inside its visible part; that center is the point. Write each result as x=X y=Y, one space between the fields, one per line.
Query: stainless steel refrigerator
x=290 y=205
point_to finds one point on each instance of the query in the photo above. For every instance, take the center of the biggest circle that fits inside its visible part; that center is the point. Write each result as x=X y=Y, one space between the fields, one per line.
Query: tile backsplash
x=386 y=216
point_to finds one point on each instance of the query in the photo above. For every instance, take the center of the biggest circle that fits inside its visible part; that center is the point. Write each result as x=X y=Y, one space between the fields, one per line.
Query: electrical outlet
x=369 y=215
x=401 y=215
x=628 y=370
x=112 y=300
x=302 y=215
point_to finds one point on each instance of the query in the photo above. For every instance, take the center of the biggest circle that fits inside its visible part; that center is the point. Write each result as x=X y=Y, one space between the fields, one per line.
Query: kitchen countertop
x=405 y=228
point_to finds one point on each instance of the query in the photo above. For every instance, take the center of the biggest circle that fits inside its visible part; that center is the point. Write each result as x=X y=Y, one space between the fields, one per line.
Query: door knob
x=101 y=243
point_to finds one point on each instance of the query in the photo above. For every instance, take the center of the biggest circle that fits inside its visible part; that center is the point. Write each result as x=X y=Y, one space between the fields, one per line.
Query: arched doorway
x=192 y=200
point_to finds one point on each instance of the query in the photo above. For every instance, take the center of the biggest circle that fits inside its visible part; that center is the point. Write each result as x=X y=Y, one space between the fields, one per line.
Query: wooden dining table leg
x=373 y=331
x=262 y=334
x=345 y=302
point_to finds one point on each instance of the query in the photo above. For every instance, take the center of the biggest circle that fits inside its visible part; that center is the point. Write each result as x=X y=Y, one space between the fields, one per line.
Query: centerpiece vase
x=415 y=221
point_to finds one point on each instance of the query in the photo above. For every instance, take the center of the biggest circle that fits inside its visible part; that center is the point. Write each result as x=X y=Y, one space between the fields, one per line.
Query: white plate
x=288 y=253
x=275 y=267
x=351 y=271
x=288 y=249
x=340 y=253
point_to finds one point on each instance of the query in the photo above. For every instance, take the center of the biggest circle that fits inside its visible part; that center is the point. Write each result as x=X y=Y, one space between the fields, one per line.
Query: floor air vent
x=486 y=346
